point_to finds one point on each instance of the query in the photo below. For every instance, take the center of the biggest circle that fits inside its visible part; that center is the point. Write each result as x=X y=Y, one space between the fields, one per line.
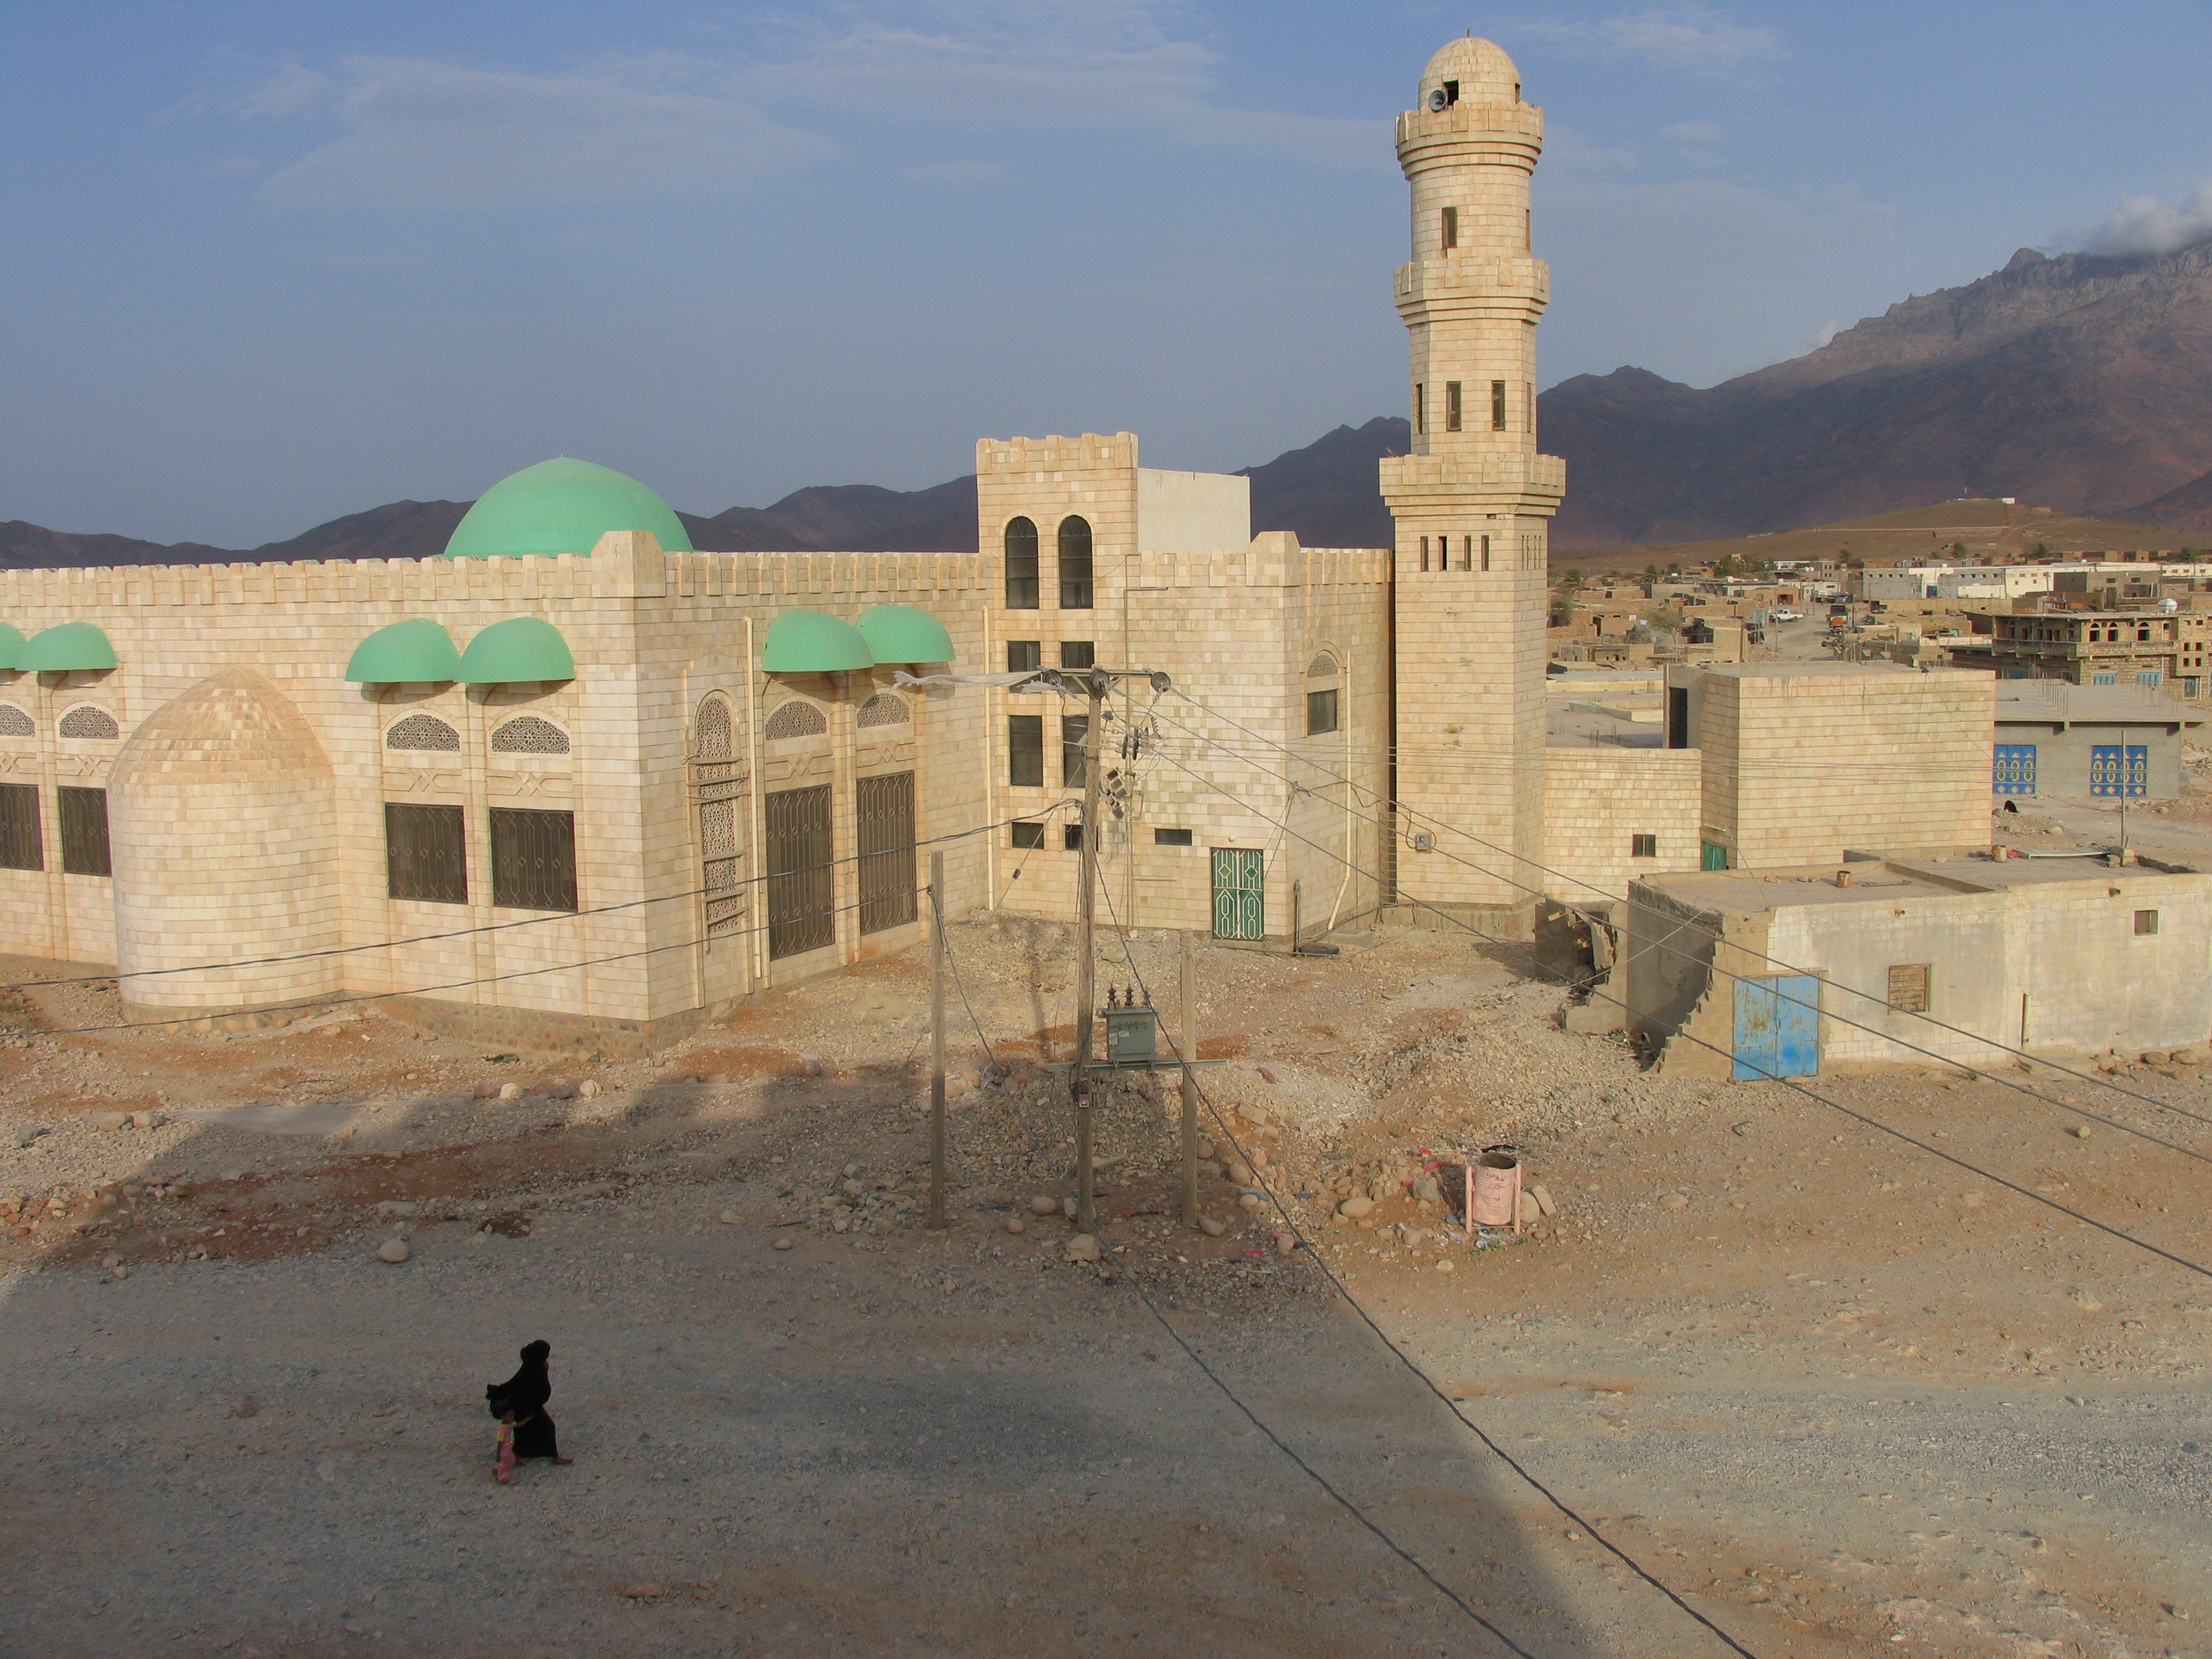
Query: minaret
x=1472 y=500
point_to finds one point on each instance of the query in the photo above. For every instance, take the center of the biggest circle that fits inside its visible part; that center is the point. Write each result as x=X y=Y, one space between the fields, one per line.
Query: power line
x=1197 y=1359
x=1717 y=938
x=1791 y=1083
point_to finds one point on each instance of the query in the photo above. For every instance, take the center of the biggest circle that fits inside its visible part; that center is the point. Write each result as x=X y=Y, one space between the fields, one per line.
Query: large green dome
x=561 y=506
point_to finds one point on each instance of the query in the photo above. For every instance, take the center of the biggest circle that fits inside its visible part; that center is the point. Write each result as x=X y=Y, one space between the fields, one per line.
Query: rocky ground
x=1835 y=1392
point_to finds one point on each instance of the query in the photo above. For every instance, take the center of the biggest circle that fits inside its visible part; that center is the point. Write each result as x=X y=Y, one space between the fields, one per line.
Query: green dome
x=561 y=506
x=519 y=649
x=11 y=645
x=902 y=633
x=413 y=650
x=810 y=642
x=65 y=646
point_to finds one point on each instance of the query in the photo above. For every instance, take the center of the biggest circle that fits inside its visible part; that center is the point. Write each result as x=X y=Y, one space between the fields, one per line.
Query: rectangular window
x=1451 y=406
x=1170 y=838
x=533 y=859
x=1024 y=654
x=1420 y=407
x=1028 y=835
x=1021 y=565
x=1425 y=554
x=1466 y=552
x=883 y=810
x=1074 y=728
x=2103 y=680
x=22 y=847
x=1909 y=989
x=84 y=830
x=1025 y=750
x=801 y=884
x=1449 y=228
x=1077 y=654
x=1643 y=846
x=1075 y=575
x=2152 y=677
x=1320 y=712
x=426 y=853
x=1497 y=406
x=2146 y=923
x=1528 y=406
x=1485 y=552
x=1677 y=717
x=1072 y=837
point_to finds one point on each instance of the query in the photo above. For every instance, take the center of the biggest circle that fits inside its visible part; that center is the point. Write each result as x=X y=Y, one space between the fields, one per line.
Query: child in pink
x=503 y=1450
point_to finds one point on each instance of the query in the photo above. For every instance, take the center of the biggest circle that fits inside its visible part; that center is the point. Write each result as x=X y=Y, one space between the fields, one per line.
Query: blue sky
x=268 y=264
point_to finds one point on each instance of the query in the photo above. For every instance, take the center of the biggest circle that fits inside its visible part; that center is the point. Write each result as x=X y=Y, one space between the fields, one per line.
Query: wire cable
x=1192 y=1353
x=1690 y=925
x=1515 y=948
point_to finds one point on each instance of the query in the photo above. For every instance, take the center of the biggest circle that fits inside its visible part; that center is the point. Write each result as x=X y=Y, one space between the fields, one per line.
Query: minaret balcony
x=1416 y=485
x=1472 y=285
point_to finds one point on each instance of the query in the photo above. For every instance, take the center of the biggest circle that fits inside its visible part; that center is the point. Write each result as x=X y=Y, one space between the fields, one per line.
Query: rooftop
x=1748 y=892
x=2059 y=703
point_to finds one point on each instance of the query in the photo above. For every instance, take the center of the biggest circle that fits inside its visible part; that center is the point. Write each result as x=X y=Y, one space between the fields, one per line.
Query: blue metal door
x=1777 y=1027
x=2013 y=771
x=2119 y=770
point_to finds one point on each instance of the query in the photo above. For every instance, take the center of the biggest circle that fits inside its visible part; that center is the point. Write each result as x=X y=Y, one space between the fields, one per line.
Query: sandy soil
x=1837 y=1394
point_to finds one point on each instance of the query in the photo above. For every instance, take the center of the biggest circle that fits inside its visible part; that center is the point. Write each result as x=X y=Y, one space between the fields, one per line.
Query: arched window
x=424 y=732
x=712 y=732
x=15 y=723
x=1075 y=564
x=1021 y=565
x=84 y=720
x=719 y=789
x=795 y=719
x=883 y=709
x=1322 y=667
x=527 y=735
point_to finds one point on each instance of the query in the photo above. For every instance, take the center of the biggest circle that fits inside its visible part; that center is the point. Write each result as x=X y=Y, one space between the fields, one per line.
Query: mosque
x=575 y=779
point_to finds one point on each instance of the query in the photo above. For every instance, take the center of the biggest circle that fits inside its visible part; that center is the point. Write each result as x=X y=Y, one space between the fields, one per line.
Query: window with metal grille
x=1021 y=656
x=84 y=720
x=801 y=884
x=1077 y=654
x=1075 y=564
x=1447 y=229
x=21 y=845
x=1497 y=406
x=15 y=723
x=795 y=719
x=2146 y=923
x=718 y=787
x=1320 y=711
x=884 y=814
x=1643 y=846
x=424 y=732
x=1025 y=750
x=426 y=853
x=533 y=859
x=1908 y=988
x=1021 y=565
x=527 y=735
x=1027 y=835
x=1451 y=406
x=84 y=830
x=1170 y=838
x=883 y=709
x=1074 y=728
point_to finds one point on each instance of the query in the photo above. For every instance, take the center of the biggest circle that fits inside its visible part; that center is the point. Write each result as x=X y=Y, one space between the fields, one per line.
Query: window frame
x=1321 y=705
x=22 y=834
x=1025 y=656
x=1453 y=408
x=1025 y=751
x=550 y=889
x=1075 y=732
x=1020 y=533
x=1026 y=834
x=429 y=881
x=85 y=849
x=1643 y=844
x=1077 y=550
x=1171 y=838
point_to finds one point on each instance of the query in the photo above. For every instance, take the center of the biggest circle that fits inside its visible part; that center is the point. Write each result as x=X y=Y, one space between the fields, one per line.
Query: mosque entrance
x=1240 y=893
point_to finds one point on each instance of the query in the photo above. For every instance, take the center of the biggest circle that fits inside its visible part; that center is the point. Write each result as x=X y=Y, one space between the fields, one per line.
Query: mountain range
x=2082 y=383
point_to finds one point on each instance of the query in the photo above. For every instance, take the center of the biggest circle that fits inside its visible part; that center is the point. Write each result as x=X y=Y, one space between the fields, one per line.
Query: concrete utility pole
x=937 y=1042
x=1096 y=684
x=1189 y=1052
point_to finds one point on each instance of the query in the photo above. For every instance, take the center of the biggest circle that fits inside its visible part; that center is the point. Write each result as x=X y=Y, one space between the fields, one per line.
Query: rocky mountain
x=2082 y=383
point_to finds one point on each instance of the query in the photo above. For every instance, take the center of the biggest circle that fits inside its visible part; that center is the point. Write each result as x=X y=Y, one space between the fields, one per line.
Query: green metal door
x=1240 y=894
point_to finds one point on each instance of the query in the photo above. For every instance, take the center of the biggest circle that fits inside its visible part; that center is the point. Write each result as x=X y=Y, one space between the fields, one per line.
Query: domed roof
x=234 y=725
x=1483 y=72
x=561 y=506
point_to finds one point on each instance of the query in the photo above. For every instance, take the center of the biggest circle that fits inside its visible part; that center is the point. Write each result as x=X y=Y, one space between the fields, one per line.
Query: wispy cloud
x=2143 y=224
x=1701 y=40
x=1693 y=132
x=429 y=134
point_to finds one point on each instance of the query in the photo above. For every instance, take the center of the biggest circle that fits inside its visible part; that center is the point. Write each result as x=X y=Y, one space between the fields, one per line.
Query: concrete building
x=1785 y=973
x=2116 y=742
x=2159 y=650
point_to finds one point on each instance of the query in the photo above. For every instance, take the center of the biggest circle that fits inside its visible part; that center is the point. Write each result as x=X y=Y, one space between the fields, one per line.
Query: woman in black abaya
x=523 y=1396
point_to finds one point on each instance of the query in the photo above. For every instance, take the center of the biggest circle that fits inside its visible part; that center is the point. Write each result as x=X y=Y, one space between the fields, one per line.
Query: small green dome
x=902 y=633
x=12 y=644
x=519 y=649
x=810 y=642
x=561 y=506
x=65 y=647
x=415 y=649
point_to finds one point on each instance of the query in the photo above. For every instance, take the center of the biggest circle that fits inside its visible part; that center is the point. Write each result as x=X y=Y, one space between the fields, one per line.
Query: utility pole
x=937 y=1042
x=1095 y=687
x=1189 y=1049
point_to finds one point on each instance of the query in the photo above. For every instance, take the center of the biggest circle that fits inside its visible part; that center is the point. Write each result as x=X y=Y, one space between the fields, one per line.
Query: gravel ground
x=1835 y=1394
